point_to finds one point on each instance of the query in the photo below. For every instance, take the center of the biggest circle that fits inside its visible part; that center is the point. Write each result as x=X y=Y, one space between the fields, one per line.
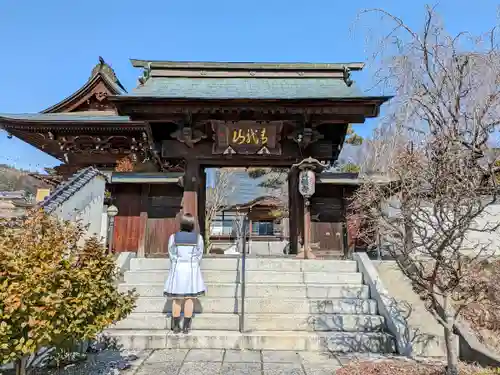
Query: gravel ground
x=107 y=362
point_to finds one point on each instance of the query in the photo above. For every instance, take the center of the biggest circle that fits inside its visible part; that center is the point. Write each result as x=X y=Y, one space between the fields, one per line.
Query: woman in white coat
x=185 y=282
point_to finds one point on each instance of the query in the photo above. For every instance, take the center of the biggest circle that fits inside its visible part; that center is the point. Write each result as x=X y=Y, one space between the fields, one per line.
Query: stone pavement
x=236 y=362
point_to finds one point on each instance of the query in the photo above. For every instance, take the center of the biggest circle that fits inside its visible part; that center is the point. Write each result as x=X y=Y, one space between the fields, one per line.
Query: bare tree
x=437 y=151
x=216 y=200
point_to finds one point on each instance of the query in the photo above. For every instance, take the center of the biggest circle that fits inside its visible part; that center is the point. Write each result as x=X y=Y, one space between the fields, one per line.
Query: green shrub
x=56 y=288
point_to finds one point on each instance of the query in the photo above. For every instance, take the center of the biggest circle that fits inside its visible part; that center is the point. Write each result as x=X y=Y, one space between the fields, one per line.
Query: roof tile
x=69 y=188
x=246 y=88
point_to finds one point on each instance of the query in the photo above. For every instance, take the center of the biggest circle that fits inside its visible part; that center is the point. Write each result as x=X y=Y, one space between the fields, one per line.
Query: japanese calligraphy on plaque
x=246 y=138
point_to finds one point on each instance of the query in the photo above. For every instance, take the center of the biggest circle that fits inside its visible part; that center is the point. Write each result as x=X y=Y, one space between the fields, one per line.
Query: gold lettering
x=238 y=137
x=263 y=136
x=250 y=136
x=248 y=139
x=254 y=136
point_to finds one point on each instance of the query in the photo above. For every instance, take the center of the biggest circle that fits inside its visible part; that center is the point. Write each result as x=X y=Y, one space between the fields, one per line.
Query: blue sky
x=49 y=48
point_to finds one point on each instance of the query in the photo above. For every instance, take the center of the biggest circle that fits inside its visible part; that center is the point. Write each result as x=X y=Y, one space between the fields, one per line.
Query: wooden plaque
x=247 y=138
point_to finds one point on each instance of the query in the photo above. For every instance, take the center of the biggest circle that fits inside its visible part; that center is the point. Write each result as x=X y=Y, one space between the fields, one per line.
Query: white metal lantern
x=307 y=183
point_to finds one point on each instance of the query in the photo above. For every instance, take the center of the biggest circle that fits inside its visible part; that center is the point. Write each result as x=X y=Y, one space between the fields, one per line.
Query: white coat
x=184 y=278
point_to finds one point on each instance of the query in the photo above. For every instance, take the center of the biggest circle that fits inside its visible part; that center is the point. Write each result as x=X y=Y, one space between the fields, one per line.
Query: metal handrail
x=243 y=272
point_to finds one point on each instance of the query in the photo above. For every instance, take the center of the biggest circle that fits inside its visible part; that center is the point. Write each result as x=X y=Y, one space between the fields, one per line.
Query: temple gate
x=184 y=117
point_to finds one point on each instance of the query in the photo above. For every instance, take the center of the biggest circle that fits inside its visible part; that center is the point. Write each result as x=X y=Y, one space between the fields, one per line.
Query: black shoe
x=176 y=324
x=187 y=325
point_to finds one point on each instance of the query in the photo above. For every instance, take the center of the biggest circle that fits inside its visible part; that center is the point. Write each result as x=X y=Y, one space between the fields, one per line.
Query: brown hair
x=187 y=223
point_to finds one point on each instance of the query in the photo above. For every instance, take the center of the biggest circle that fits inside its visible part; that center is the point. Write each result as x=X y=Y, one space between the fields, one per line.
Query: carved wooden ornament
x=188 y=135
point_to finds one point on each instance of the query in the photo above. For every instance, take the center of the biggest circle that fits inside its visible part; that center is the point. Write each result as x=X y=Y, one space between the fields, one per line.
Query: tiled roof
x=246 y=88
x=269 y=201
x=68 y=188
x=63 y=117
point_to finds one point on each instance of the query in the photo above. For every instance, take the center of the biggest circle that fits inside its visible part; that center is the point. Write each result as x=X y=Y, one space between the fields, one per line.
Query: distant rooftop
x=7 y=195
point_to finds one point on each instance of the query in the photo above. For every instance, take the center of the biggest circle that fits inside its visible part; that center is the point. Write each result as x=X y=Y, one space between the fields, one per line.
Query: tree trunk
x=450 y=339
x=20 y=366
x=208 y=228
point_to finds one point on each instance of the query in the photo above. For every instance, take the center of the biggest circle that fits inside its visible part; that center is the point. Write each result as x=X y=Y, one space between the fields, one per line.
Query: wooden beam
x=322 y=150
x=366 y=107
x=146 y=178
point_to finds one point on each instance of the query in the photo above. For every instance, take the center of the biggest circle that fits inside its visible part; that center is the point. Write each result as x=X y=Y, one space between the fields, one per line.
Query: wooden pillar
x=307 y=228
x=308 y=167
x=345 y=225
x=202 y=196
x=306 y=252
x=295 y=203
x=142 y=246
x=191 y=187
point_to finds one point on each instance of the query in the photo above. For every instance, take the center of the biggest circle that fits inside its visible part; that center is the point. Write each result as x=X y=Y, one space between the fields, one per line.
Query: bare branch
x=436 y=146
x=216 y=200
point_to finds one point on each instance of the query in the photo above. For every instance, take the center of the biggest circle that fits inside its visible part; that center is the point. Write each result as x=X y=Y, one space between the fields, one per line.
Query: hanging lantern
x=307 y=183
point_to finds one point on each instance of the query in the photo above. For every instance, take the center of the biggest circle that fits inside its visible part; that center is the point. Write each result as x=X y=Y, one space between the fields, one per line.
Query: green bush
x=56 y=288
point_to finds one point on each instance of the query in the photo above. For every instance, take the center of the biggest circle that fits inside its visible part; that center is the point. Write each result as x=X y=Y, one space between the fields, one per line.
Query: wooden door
x=127 y=224
x=126 y=233
x=158 y=232
x=164 y=205
x=327 y=233
x=327 y=236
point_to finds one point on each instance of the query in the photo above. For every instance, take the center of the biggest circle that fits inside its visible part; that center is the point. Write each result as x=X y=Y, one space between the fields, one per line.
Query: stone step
x=162 y=321
x=212 y=276
x=347 y=342
x=253 y=264
x=296 y=265
x=264 y=305
x=264 y=290
x=261 y=322
x=215 y=264
x=155 y=276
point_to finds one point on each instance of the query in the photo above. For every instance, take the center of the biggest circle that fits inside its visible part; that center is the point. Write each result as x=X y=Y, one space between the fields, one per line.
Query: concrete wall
x=255 y=247
x=267 y=247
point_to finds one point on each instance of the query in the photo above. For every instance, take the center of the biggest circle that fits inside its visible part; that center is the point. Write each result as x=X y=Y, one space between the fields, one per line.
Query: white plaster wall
x=86 y=206
x=104 y=225
x=489 y=219
x=475 y=240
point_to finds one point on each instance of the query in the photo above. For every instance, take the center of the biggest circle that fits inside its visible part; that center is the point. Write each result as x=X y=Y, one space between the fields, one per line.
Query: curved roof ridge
x=102 y=71
x=268 y=199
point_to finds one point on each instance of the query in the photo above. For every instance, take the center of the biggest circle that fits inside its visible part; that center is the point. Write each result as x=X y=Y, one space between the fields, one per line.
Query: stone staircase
x=81 y=199
x=301 y=305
